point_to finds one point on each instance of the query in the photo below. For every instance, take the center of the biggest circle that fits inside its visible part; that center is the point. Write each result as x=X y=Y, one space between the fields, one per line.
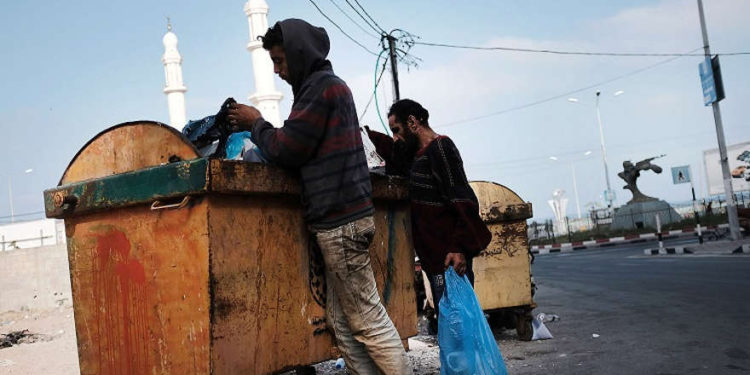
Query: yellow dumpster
x=188 y=265
x=502 y=272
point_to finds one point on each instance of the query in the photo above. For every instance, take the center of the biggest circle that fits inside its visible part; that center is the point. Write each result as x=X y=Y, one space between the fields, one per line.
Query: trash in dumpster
x=210 y=134
x=467 y=345
x=241 y=147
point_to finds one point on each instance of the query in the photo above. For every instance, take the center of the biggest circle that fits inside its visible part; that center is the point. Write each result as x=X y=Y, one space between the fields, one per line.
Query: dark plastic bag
x=467 y=346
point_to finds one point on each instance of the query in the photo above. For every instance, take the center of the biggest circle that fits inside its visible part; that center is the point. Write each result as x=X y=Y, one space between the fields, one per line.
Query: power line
x=377 y=82
x=340 y=29
x=368 y=16
x=531 y=104
x=376 y=29
x=353 y=21
x=580 y=53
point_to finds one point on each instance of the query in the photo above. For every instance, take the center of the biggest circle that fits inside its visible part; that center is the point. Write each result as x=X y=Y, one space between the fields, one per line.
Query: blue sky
x=71 y=69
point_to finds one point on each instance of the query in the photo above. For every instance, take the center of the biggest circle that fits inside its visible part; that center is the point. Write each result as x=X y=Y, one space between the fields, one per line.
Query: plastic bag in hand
x=467 y=346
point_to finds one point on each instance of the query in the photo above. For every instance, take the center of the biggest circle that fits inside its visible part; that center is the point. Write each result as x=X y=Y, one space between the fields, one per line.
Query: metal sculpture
x=631 y=173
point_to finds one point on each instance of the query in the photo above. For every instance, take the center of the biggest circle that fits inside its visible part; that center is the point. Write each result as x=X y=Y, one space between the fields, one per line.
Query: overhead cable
x=377 y=82
x=581 y=53
x=376 y=29
x=340 y=29
x=370 y=17
x=353 y=21
x=565 y=94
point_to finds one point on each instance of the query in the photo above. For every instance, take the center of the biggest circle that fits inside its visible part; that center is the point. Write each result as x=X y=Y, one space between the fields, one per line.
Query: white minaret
x=174 y=88
x=265 y=98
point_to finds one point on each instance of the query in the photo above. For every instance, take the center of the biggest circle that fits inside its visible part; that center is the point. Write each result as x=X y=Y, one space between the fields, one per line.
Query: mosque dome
x=169 y=40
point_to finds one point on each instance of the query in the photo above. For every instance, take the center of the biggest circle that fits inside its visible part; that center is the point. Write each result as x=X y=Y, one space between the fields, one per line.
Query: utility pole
x=734 y=224
x=695 y=211
x=394 y=66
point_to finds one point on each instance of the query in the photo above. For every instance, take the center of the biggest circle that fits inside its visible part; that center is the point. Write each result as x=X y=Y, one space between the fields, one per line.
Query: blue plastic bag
x=467 y=346
x=241 y=147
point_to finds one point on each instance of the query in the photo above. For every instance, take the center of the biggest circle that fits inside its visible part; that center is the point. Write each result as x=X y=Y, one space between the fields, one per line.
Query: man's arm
x=471 y=234
x=291 y=145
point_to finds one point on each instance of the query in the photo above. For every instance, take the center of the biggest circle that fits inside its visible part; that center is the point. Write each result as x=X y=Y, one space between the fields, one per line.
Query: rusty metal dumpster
x=187 y=265
x=503 y=270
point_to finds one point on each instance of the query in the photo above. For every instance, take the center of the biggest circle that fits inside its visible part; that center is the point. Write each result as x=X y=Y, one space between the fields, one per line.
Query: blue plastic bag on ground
x=467 y=346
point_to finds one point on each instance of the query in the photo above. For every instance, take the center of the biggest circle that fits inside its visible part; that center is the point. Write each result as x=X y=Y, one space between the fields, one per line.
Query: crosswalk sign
x=681 y=175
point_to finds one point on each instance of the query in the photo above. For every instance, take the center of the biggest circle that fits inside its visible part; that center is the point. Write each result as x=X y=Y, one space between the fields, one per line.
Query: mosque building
x=266 y=98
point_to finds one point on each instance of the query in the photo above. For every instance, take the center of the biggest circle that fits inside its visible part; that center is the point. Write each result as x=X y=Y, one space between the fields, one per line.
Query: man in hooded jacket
x=322 y=139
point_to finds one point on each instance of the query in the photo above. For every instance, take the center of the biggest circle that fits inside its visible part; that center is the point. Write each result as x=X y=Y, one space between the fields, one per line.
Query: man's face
x=406 y=143
x=278 y=56
x=398 y=129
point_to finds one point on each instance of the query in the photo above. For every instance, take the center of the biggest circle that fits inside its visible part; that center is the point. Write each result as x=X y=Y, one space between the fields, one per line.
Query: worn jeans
x=437 y=284
x=364 y=333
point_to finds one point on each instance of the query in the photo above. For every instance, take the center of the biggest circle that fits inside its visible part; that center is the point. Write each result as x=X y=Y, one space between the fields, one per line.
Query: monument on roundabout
x=641 y=211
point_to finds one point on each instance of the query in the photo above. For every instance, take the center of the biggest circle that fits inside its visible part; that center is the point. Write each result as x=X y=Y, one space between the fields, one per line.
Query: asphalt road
x=675 y=314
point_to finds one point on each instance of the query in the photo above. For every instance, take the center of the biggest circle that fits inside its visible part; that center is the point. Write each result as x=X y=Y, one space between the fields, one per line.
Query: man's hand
x=458 y=261
x=241 y=117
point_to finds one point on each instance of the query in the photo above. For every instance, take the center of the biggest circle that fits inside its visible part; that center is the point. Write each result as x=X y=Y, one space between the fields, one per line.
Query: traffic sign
x=681 y=175
x=707 y=81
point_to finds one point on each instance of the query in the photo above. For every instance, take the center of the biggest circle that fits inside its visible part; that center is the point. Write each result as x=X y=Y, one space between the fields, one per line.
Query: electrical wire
x=375 y=94
x=537 y=102
x=370 y=17
x=354 y=22
x=377 y=82
x=342 y=30
x=377 y=30
x=579 y=53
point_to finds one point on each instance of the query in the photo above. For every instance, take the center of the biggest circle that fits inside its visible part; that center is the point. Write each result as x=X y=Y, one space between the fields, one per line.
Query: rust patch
x=119 y=288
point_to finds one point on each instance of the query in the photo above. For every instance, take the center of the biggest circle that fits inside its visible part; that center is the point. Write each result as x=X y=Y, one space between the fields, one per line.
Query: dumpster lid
x=128 y=147
x=142 y=162
x=498 y=203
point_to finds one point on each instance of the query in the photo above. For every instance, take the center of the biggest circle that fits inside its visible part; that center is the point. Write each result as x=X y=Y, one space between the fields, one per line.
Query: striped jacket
x=321 y=137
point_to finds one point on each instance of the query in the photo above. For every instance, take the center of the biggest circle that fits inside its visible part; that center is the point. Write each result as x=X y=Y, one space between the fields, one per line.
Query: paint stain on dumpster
x=119 y=291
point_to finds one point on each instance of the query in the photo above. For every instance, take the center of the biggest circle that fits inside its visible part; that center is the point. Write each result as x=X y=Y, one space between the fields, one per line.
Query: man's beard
x=404 y=153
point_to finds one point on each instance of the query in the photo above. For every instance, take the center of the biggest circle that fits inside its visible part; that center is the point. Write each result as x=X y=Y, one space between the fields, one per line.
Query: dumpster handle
x=157 y=204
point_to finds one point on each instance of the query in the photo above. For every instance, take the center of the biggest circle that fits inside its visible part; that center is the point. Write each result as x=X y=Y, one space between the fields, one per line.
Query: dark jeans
x=437 y=284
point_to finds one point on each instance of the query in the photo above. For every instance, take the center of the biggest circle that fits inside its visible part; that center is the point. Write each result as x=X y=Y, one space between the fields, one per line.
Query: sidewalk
x=603 y=242
x=713 y=247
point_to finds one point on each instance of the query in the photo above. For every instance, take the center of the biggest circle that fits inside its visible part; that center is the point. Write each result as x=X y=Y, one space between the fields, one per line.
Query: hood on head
x=306 y=48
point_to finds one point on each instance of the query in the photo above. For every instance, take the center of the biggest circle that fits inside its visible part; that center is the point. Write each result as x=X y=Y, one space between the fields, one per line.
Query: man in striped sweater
x=446 y=226
x=322 y=139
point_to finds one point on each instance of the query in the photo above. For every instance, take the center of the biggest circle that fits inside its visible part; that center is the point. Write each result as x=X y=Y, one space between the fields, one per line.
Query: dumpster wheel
x=524 y=328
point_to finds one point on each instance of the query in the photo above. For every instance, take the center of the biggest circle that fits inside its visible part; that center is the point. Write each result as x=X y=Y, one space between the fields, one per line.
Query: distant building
x=34 y=233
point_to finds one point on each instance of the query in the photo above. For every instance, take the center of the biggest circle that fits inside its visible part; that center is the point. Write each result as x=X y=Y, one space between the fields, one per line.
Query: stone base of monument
x=643 y=215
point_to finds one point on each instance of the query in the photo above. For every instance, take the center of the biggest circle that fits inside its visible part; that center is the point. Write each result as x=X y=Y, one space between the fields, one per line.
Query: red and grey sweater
x=321 y=137
x=444 y=209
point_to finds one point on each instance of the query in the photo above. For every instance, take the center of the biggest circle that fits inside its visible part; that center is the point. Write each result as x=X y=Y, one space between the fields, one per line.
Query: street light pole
x=10 y=198
x=604 y=153
x=734 y=223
